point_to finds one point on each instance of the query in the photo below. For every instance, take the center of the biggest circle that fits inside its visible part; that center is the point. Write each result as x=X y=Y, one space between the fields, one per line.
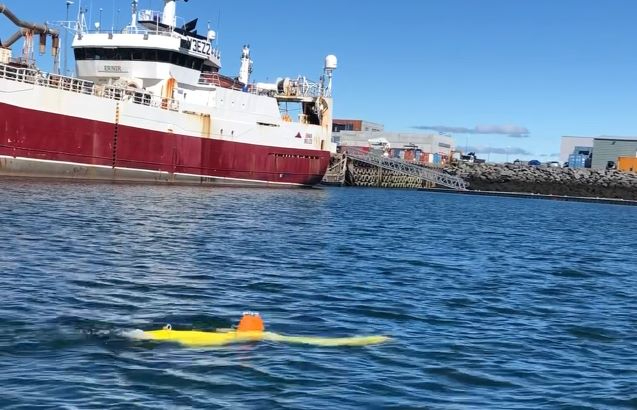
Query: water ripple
x=490 y=302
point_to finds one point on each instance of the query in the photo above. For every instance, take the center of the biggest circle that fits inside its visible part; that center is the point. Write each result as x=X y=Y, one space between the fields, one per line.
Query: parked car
x=553 y=164
x=534 y=163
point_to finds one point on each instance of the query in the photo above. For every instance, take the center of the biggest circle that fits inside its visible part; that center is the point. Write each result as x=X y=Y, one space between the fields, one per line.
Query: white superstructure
x=177 y=64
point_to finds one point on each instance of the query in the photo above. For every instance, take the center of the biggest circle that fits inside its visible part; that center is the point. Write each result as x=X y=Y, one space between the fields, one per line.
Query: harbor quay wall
x=580 y=182
x=366 y=175
x=361 y=174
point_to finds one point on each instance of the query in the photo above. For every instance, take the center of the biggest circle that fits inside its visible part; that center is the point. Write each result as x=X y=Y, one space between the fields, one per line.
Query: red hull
x=40 y=135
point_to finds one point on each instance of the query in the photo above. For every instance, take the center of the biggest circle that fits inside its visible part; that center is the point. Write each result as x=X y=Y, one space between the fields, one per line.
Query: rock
x=549 y=181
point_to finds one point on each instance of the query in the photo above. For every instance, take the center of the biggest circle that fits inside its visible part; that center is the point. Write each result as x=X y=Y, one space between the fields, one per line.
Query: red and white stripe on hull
x=42 y=144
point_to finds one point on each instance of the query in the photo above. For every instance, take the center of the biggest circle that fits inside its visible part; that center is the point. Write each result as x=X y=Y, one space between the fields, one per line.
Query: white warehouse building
x=357 y=133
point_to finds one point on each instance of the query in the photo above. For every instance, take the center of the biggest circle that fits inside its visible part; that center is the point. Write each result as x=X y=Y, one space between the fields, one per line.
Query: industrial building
x=435 y=148
x=596 y=152
x=356 y=125
x=609 y=149
x=575 y=145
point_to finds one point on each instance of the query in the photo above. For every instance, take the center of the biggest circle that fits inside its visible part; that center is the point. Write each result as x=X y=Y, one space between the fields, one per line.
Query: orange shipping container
x=628 y=164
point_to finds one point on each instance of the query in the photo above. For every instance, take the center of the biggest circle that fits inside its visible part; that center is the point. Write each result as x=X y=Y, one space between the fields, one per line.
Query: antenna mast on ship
x=246 y=65
x=133 y=22
x=330 y=65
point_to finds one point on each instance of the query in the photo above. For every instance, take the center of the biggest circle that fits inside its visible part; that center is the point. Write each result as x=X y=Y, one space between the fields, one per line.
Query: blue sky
x=478 y=68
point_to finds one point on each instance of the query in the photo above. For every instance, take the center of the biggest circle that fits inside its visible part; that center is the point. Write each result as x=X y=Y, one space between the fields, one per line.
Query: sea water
x=490 y=302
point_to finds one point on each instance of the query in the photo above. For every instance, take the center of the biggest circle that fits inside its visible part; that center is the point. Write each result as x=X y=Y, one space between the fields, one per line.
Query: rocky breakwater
x=548 y=181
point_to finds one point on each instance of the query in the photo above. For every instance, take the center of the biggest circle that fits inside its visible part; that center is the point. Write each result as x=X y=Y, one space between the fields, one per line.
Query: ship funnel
x=169 y=17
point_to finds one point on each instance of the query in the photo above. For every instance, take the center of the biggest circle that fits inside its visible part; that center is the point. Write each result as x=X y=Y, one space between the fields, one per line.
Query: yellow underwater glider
x=250 y=329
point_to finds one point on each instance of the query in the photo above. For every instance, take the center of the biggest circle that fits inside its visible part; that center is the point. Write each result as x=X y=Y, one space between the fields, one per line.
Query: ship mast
x=246 y=66
x=328 y=70
x=133 y=22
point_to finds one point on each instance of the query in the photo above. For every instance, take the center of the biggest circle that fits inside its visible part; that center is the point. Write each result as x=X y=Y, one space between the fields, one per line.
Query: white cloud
x=511 y=131
x=499 y=150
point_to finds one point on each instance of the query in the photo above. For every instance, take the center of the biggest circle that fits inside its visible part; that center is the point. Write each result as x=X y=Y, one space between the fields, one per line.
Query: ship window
x=163 y=56
x=150 y=55
x=130 y=54
x=108 y=53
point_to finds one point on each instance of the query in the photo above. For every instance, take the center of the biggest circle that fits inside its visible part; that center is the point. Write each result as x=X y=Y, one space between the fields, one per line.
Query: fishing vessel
x=150 y=103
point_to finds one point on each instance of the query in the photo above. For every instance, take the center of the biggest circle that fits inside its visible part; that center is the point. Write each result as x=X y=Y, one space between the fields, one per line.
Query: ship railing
x=36 y=77
x=20 y=74
x=142 y=30
x=126 y=94
x=298 y=88
x=309 y=88
x=217 y=80
x=149 y=15
x=156 y=17
x=136 y=96
x=301 y=87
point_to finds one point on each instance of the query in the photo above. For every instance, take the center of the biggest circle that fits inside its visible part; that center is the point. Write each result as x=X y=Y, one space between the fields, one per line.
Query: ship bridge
x=148 y=52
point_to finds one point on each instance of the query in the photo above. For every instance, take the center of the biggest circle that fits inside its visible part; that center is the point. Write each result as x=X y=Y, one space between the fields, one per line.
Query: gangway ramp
x=397 y=165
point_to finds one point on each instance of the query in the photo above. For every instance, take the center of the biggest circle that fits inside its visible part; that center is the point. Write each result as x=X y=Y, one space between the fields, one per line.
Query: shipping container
x=409 y=155
x=577 y=161
x=436 y=159
x=627 y=164
x=424 y=157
